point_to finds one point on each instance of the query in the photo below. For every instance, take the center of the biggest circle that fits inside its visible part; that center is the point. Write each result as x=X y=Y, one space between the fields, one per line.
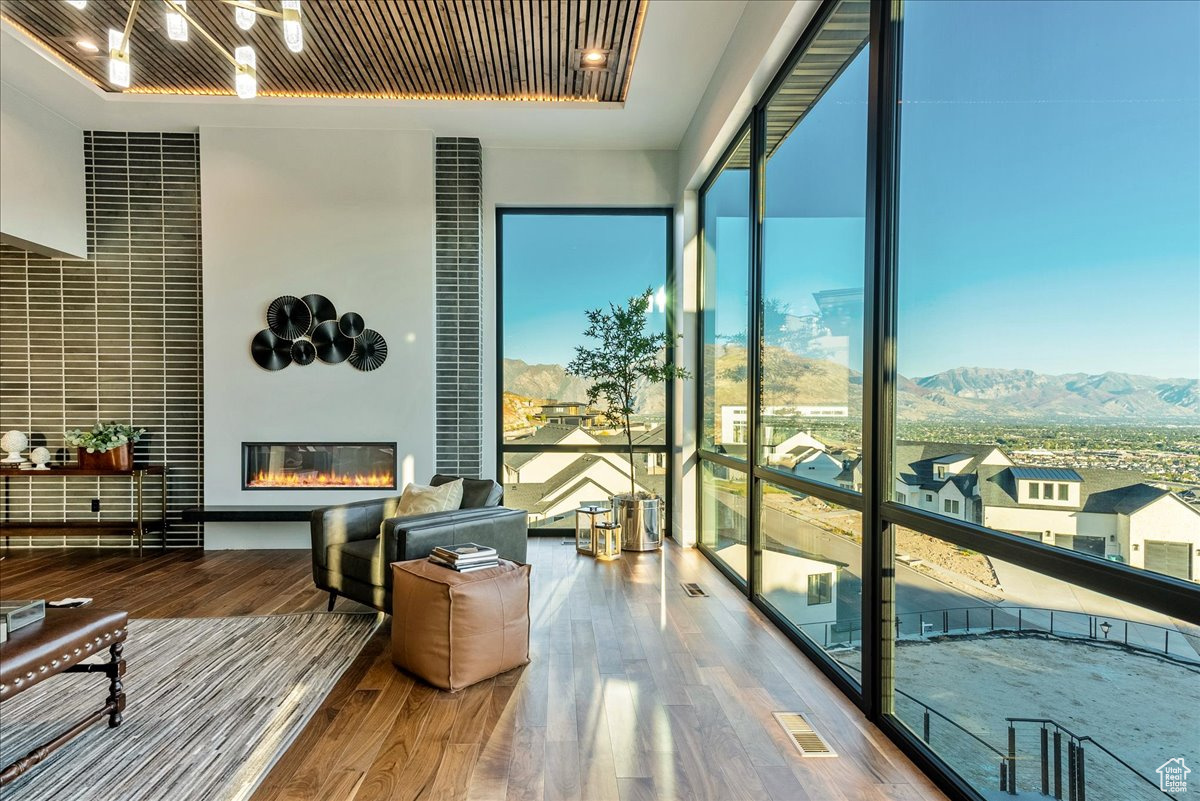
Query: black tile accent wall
x=116 y=337
x=458 y=290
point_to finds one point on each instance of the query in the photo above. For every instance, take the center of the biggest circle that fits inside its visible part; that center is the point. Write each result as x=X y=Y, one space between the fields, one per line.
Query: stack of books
x=465 y=558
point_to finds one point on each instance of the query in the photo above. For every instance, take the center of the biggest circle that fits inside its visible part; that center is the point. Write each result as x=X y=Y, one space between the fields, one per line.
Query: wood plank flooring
x=635 y=692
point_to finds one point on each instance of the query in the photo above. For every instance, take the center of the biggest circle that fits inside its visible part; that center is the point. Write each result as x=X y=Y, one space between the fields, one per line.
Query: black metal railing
x=927 y=713
x=1149 y=637
x=1064 y=773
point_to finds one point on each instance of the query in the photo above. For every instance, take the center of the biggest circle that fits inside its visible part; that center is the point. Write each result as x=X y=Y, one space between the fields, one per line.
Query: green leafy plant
x=624 y=360
x=103 y=437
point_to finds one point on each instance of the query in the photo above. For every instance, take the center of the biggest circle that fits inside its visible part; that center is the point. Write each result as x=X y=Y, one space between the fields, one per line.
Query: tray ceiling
x=392 y=49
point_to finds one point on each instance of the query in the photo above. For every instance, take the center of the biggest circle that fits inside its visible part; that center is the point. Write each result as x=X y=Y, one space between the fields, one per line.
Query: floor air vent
x=693 y=589
x=805 y=738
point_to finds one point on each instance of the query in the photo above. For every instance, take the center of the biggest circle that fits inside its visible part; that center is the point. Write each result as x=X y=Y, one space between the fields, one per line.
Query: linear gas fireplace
x=318 y=465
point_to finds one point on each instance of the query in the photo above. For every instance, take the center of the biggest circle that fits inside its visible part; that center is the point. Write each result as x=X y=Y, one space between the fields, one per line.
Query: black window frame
x=667 y=214
x=824 y=589
x=881 y=512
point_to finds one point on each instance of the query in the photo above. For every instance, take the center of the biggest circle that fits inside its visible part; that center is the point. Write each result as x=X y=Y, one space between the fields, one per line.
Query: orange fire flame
x=316 y=478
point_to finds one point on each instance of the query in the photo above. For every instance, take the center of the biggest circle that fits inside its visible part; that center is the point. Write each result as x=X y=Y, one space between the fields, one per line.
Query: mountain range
x=962 y=394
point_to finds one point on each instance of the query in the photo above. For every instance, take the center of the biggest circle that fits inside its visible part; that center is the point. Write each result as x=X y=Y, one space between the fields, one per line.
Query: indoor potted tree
x=624 y=360
x=106 y=446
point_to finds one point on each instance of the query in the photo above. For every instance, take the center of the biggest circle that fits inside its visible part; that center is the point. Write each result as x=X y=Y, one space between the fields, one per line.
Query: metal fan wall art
x=301 y=330
x=370 y=350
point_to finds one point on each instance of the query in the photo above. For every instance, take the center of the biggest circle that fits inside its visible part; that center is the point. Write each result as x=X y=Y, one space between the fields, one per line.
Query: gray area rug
x=212 y=703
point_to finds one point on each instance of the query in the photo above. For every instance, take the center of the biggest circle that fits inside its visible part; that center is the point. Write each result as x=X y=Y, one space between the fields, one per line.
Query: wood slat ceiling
x=834 y=47
x=394 y=49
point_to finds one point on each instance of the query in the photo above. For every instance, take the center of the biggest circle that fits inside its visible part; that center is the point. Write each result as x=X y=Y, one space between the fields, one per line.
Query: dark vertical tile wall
x=458 y=282
x=116 y=337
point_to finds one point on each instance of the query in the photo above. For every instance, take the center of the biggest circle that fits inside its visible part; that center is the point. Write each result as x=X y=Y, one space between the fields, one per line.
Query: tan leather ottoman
x=455 y=629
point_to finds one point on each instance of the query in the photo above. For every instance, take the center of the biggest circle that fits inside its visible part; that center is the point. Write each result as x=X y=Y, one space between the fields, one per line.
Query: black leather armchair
x=353 y=544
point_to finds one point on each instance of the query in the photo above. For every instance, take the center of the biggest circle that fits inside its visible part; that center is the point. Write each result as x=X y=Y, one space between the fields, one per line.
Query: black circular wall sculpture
x=352 y=324
x=302 y=330
x=370 y=350
x=333 y=347
x=269 y=351
x=303 y=352
x=288 y=317
x=322 y=309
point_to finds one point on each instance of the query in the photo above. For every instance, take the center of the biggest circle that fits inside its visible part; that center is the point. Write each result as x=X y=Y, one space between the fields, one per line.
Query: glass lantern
x=586 y=518
x=607 y=540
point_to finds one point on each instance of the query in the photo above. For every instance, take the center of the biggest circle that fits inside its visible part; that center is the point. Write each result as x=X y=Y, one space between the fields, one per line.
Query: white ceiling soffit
x=682 y=42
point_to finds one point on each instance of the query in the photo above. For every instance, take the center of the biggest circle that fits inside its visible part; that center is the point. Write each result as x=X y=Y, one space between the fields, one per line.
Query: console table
x=137 y=527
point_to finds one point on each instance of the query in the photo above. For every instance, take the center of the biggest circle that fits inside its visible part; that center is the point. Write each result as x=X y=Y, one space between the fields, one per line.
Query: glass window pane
x=814 y=235
x=1049 y=272
x=544 y=307
x=726 y=277
x=812 y=567
x=987 y=649
x=551 y=485
x=723 y=514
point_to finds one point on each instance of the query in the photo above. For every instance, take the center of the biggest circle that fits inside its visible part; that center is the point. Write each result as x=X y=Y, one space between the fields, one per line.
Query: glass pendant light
x=177 y=27
x=293 y=33
x=244 y=17
x=118 y=59
x=246 y=79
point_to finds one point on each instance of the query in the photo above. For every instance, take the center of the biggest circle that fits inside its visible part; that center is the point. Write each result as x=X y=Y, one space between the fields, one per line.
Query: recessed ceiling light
x=84 y=44
x=593 y=59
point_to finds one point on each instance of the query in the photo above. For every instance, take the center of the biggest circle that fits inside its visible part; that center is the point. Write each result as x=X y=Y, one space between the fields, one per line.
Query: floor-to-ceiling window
x=558 y=451
x=970 y=479
x=809 y=435
x=724 y=357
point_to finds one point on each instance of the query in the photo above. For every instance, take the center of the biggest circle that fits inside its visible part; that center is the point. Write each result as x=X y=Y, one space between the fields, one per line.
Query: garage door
x=1172 y=558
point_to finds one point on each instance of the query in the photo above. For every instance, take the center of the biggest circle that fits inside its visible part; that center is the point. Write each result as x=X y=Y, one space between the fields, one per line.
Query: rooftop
x=1046 y=473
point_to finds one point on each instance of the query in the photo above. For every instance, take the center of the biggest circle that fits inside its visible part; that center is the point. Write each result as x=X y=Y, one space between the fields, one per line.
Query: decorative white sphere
x=14 y=441
x=40 y=456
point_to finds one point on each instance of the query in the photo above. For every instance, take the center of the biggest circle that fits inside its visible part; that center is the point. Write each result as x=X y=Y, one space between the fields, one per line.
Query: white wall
x=42 y=191
x=346 y=214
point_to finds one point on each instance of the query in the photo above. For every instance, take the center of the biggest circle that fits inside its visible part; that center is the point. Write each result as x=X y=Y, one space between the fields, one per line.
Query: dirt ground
x=1144 y=709
x=848 y=523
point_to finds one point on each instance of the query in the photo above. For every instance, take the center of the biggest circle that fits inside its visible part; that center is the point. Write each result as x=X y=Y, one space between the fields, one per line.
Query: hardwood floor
x=635 y=692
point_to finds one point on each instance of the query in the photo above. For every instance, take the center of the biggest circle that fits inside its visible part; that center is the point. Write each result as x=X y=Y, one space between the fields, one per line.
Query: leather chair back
x=478 y=493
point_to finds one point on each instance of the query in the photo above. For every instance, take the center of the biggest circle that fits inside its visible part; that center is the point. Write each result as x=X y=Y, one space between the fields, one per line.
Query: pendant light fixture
x=177 y=27
x=178 y=23
x=293 y=32
x=245 y=79
x=244 y=15
x=118 y=59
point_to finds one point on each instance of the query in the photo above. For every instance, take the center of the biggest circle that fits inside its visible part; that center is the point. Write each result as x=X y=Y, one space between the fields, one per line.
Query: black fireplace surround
x=318 y=465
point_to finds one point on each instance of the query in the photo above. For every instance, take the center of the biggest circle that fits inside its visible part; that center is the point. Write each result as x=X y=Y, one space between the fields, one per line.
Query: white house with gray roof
x=1111 y=514
x=551 y=484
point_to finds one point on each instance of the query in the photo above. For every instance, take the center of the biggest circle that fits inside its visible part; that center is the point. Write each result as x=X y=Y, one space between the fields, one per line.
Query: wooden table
x=137 y=527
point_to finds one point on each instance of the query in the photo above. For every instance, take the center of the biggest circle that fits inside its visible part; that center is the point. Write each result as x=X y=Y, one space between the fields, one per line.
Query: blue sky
x=1049 y=201
x=558 y=266
x=1050 y=192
